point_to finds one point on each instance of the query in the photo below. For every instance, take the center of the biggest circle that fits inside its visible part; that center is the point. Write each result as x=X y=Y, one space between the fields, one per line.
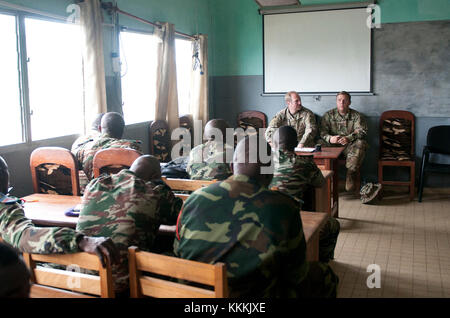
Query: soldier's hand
x=334 y=140
x=343 y=140
x=103 y=247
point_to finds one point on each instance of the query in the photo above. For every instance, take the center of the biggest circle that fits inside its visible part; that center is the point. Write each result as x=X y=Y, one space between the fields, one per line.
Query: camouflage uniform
x=292 y=175
x=81 y=141
x=17 y=230
x=85 y=154
x=256 y=232
x=353 y=126
x=128 y=210
x=54 y=179
x=208 y=161
x=304 y=122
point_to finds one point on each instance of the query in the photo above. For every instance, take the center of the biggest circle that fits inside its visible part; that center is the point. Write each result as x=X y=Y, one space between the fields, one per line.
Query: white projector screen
x=317 y=52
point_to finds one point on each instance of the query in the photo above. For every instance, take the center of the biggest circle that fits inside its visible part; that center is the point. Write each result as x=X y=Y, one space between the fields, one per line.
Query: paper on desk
x=304 y=149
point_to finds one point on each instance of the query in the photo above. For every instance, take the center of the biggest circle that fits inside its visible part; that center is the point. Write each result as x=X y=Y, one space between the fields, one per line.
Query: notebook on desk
x=304 y=149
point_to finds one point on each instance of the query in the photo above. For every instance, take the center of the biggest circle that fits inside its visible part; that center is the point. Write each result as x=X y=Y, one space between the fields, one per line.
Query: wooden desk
x=324 y=194
x=327 y=159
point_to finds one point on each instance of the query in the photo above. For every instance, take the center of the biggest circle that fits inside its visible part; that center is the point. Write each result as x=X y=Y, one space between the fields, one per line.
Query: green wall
x=237 y=29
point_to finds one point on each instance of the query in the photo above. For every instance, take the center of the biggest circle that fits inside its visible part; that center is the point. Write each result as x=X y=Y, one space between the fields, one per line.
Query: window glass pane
x=11 y=126
x=55 y=78
x=184 y=66
x=138 y=60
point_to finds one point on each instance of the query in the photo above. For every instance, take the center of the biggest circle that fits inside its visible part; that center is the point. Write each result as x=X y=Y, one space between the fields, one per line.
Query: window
x=11 y=127
x=139 y=62
x=55 y=78
x=53 y=75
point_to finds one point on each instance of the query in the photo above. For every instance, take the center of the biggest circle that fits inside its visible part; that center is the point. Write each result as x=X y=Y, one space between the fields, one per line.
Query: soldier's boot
x=350 y=180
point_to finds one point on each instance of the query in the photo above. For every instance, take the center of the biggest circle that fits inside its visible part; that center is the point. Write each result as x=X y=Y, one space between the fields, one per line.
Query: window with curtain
x=55 y=78
x=11 y=127
x=53 y=72
x=138 y=70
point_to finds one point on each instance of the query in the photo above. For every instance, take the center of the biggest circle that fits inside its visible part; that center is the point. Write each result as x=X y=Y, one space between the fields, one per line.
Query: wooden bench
x=214 y=275
x=57 y=283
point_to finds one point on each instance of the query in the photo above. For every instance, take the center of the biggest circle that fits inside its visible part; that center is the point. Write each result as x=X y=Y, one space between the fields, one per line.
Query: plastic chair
x=62 y=159
x=438 y=142
x=397 y=146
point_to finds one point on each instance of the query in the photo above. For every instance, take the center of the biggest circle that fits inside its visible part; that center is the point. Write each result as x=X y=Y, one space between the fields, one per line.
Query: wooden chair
x=112 y=160
x=159 y=140
x=56 y=156
x=57 y=283
x=187 y=184
x=187 y=122
x=253 y=118
x=438 y=143
x=214 y=275
x=397 y=146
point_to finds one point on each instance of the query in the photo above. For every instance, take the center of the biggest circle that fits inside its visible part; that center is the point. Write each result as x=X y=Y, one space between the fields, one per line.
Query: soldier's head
x=147 y=168
x=214 y=128
x=4 y=176
x=285 y=138
x=14 y=274
x=96 y=124
x=343 y=101
x=112 y=124
x=293 y=102
x=247 y=159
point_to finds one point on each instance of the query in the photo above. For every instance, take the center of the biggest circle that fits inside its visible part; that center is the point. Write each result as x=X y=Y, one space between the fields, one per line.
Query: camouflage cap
x=369 y=192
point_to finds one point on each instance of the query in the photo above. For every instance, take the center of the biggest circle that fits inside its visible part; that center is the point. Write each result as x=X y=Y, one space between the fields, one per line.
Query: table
x=48 y=210
x=327 y=159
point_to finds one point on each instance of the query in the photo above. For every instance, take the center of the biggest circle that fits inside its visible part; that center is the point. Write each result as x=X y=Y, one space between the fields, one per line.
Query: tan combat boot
x=350 y=181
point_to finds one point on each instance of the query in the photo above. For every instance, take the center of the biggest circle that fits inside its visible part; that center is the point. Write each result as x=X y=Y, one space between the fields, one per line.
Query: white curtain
x=93 y=60
x=166 y=107
x=199 y=80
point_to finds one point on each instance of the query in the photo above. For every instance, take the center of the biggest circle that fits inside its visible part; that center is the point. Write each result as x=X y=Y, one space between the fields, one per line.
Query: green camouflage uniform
x=83 y=140
x=128 y=210
x=85 y=154
x=17 y=230
x=353 y=126
x=256 y=232
x=304 y=122
x=292 y=175
x=208 y=161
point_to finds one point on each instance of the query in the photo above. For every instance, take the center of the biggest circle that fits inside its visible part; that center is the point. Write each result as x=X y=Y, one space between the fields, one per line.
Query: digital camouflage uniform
x=17 y=230
x=304 y=123
x=128 y=210
x=292 y=175
x=256 y=232
x=208 y=161
x=353 y=126
x=85 y=154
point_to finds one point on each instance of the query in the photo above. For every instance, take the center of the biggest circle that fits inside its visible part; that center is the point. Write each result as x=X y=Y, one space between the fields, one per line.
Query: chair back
x=112 y=160
x=57 y=283
x=438 y=139
x=252 y=118
x=213 y=276
x=187 y=184
x=187 y=122
x=61 y=161
x=397 y=139
x=159 y=140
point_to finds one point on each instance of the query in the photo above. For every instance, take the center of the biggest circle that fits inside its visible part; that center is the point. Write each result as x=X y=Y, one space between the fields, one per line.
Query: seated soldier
x=208 y=161
x=112 y=127
x=292 y=175
x=256 y=232
x=128 y=207
x=20 y=232
x=14 y=274
x=82 y=140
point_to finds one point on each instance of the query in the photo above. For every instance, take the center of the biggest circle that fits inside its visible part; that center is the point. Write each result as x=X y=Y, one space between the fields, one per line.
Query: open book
x=304 y=149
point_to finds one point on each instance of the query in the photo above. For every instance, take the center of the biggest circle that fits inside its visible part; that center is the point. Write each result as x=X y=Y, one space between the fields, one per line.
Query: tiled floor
x=408 y=240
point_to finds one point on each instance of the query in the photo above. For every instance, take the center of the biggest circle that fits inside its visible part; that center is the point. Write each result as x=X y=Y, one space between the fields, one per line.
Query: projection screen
x=317 y=52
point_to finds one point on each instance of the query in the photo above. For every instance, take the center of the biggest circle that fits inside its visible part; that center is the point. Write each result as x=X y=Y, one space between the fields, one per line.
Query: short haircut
x=112 y=123
x=287 y=96
x=346 y=94
x=287 y=138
